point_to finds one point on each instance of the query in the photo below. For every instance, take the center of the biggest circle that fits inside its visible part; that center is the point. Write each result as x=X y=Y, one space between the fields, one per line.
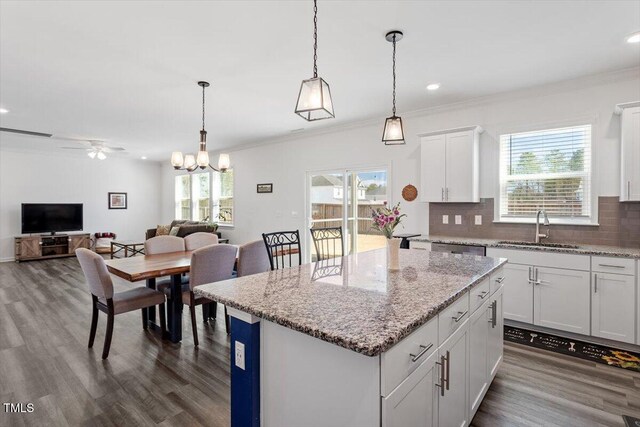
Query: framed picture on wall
x=265 y=188
x=117 y=200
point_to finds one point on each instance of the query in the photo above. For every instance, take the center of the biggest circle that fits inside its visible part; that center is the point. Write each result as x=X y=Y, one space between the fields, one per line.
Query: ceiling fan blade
x=114 y=148
x=76 y=148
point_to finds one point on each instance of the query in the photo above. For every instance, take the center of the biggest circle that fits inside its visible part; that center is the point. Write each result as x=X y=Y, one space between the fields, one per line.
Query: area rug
x=580 y=349
x=630 y=421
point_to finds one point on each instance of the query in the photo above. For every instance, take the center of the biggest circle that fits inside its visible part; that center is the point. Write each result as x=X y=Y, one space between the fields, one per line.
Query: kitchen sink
x=546 y=245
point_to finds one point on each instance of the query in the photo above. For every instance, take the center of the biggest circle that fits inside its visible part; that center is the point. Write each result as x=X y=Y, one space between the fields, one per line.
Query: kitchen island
x=346 y=342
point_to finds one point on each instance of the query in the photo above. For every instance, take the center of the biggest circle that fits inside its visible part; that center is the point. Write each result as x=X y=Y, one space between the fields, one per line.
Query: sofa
x=186 y=227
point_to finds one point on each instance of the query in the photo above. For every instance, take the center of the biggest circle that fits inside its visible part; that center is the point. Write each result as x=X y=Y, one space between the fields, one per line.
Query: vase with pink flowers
x=385 y=220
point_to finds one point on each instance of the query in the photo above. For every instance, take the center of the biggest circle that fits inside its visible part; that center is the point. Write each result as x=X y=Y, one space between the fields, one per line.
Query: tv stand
x=29 y=248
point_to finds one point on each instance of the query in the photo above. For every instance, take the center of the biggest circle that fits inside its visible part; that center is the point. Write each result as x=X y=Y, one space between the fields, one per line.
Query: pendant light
x=314 y=99
x=189 y=162
x=393 y=133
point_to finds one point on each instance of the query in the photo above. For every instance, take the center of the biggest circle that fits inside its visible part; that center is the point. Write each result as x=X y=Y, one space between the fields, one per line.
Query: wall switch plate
x=478 y=220
x=445 y=219
x=458 y=219
x=294 y=214
x=240 y=355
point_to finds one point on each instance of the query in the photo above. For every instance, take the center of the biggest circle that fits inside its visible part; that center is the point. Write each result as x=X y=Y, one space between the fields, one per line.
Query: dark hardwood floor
x=44 y=326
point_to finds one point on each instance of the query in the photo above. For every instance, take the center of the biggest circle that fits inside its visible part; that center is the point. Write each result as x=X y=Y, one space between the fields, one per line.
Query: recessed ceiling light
x=433 y=86
x=3 y=111
x=144 y=157
x=634 y=38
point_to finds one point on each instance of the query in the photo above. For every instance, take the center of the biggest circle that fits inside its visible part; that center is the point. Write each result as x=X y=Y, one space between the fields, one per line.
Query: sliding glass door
x=345 y=198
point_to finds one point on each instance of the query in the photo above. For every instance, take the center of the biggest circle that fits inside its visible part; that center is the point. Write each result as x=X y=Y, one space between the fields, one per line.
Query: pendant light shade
x=224 y=162
x=314 y=98
x=393 y=133
x=189 y=162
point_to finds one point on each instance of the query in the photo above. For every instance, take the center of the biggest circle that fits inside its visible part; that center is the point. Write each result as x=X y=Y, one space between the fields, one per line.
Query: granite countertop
x=353 y=301
x=613 y=251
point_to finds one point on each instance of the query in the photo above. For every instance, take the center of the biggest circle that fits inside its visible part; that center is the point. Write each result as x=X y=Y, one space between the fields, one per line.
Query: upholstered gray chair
x=199 y=240
x=104 y=299
x=209 y=264
x=253 y=259
x=163 y=244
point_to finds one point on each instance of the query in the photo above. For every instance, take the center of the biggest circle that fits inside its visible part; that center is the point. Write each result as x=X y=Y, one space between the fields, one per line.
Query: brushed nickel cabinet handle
x=530 y=276
x=442 y=197
x=611 y=265
x=628 y=190
x=501 y=279
x=448 y=360
x=441 y=363
x=494 y=317
x=461 y=314
x=424 y=348
x=483 y=294
x=446 y=194
x=595 y=283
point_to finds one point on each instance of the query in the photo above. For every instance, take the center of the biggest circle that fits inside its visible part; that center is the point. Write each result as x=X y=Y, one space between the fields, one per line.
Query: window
x=548 y=169
x=205 y=197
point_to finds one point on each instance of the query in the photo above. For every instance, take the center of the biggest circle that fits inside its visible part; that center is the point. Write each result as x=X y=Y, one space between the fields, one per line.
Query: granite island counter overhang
x=326 y=342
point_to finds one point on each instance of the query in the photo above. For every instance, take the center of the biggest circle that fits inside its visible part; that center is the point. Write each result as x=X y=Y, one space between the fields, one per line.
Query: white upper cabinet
x=449 y=166
x=629 y=151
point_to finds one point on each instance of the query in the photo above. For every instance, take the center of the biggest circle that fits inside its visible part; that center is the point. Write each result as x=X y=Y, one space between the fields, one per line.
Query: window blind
x=548 y=169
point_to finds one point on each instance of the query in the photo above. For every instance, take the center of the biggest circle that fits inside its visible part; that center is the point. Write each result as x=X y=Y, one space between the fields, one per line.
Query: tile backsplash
x=619 y=224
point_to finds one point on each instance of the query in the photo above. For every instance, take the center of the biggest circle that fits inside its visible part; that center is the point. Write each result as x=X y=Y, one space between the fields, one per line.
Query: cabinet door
x=461 y=167
x=630 y=155
x=415 y=401
x=452 y=407
x=432 y=168
x=30 y=247
x=562 y=299
x=79 y=241
x=613 y=307
x=496 y=336
x=478 y=352
x=518 y=293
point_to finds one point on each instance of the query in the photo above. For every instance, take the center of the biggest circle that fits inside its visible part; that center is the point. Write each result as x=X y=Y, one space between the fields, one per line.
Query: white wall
x=48 y=177
x=286 y=162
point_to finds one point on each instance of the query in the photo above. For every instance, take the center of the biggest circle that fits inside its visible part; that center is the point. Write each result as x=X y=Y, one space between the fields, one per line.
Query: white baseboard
x=10 y=259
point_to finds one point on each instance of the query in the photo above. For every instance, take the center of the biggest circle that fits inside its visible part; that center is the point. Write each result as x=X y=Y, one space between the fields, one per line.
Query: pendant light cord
x=202 y=107
x=315 y=38
x=394 y=75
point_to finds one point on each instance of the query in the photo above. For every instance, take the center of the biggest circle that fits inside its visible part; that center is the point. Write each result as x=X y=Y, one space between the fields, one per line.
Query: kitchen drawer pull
x=611 y=266
x=494 y=316
x=500 y=280
x=441 y=363
x=442 y=194
x=595 y=283
x=448 y=360
x=415 y=357
x=461 y=314
x=483 y=294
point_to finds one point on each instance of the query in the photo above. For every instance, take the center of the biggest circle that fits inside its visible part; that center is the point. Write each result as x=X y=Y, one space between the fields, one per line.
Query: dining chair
x=252 y=259
x=208 y=264
x=198 y=240
x=163 y=244
x=281 y=245
x=105 y=300
x=327 y=241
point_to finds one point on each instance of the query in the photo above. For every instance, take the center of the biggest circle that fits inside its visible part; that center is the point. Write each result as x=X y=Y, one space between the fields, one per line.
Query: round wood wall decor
x=409 y=193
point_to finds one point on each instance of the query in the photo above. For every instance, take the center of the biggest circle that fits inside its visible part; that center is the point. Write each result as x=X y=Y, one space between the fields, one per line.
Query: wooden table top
x=145 y=267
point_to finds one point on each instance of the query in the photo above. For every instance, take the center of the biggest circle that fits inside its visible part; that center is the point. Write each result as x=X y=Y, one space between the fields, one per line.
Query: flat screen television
x=51 y=217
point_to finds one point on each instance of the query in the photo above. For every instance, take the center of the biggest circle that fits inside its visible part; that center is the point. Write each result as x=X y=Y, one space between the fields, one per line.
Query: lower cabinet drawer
x=613 y=265
x=403 y=358
x=479 y=294
x=496 y=280
x=450 y=319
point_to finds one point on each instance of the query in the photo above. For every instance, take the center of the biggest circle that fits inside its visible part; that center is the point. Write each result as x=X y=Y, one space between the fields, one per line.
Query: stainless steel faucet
x=546 y=222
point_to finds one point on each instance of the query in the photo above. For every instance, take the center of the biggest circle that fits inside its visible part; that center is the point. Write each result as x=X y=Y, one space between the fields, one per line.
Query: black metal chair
x=283 y=246
x=327 y=240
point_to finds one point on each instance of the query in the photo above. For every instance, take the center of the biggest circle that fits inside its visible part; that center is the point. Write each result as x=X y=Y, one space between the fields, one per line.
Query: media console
x=29 y=248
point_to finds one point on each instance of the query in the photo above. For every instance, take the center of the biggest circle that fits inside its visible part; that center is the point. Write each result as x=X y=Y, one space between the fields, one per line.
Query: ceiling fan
x=95 y=148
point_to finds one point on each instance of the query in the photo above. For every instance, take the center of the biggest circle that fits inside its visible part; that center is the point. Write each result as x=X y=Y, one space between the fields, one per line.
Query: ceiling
x=126 y=72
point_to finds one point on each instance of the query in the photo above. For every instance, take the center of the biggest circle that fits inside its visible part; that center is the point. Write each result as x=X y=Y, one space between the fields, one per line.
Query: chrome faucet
x=546 y=222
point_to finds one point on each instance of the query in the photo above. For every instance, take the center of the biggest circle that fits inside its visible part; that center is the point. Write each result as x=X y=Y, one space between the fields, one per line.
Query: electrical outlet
x=294 y=214
x=240 y=355
x=445 y=219
x=458 y=219
x=478 y=219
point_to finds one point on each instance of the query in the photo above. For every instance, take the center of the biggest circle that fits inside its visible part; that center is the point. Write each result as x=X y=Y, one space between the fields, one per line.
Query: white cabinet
x=415 y=401
x=518 y=293
x=449 y=168
x=452 y=402
x=478 y=355
x=561 y=299
x=495 y=344
x=629 y=151
x=613 y=306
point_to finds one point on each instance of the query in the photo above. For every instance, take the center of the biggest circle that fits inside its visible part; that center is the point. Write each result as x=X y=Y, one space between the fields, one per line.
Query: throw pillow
x=174 y=231
x=162 y=230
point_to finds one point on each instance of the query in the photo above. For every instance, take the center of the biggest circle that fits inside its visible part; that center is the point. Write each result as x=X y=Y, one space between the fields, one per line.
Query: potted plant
x=385 y=220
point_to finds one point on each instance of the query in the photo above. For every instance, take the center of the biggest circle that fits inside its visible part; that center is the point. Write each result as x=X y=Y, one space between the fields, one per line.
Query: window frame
x=592 y=219
x=211 y=198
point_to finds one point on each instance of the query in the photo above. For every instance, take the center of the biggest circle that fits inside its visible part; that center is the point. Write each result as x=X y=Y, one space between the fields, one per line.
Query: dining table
x=150 y=268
